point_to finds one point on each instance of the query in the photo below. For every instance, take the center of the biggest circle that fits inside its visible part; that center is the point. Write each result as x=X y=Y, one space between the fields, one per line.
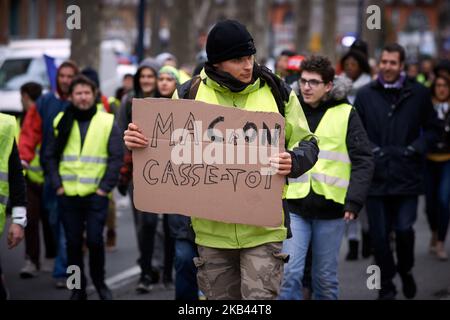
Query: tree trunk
x=254 y=15
x=155 y=12
x=231 y=10
x=260 y=30
x=85 y=45
x=329 y=29
x=302 y=11
x=182 y=33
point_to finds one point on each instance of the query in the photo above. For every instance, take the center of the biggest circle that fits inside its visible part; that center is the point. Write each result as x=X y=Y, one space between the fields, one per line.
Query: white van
x=23 y=61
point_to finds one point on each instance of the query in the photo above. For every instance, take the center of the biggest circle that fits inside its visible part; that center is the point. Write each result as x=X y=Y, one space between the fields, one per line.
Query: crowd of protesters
x=361 y=147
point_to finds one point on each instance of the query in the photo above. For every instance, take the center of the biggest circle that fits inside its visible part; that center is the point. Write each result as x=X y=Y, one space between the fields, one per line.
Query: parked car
x=23 y=61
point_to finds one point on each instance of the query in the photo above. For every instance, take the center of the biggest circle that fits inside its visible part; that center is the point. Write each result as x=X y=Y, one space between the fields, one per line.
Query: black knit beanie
x=92 y=75
x=228 y=40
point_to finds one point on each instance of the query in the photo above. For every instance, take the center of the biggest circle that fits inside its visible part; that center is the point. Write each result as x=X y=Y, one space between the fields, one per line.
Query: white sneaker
x=60 y=283
x=47 y=265
x=29 y=270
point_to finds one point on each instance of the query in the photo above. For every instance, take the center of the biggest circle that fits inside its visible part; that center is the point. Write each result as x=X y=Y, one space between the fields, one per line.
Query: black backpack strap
x=280 y=90
x=189 y=89
x=194 y=87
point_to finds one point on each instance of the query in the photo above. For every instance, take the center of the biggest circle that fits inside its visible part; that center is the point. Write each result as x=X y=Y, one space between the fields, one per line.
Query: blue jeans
x=54 y=219
x=325 y=237
x=186 y=273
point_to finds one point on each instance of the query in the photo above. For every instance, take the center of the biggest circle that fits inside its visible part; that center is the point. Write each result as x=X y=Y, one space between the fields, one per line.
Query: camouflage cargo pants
x=235 y=274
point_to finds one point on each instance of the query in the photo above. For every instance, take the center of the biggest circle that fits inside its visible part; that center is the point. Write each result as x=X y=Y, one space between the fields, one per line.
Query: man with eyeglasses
x=322 y=200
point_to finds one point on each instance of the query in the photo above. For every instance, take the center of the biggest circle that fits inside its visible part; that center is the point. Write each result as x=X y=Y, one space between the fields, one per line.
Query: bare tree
x=189 y=18
x=260 y=27
x=302 y=11
x=254 y=15
x=202 y=10
x=329 y=29
x=155 y=12
x=182 y=33
x=231 y=10
x=85 y=45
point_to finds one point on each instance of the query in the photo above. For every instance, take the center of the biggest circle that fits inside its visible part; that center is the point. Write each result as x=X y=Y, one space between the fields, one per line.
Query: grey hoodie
x=125 y=107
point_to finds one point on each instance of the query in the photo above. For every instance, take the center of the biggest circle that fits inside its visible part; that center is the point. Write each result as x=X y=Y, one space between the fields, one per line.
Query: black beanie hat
x=361 y=46
x=359 y=57
x=228 y=40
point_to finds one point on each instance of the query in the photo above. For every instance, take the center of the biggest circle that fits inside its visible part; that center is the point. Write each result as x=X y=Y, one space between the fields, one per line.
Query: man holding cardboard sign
x=236 y=260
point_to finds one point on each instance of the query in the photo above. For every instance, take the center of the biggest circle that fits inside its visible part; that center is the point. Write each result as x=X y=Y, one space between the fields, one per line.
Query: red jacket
x=30 y=135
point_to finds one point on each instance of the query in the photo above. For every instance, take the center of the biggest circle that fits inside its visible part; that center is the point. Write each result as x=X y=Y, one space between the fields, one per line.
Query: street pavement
x=122 y=272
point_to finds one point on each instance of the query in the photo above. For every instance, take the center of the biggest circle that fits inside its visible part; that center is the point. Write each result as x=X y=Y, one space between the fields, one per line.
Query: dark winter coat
x=401 y=124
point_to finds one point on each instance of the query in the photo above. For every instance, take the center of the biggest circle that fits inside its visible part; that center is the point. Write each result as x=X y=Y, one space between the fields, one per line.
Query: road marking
x=119 y=279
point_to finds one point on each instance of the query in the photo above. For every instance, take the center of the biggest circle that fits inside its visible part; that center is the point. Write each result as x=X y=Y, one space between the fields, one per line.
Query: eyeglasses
x=313 y=83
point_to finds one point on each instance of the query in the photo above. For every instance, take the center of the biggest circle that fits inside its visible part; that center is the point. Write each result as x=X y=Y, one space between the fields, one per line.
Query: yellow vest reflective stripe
x=7 y=136
x=330 y=176
x=81 y=169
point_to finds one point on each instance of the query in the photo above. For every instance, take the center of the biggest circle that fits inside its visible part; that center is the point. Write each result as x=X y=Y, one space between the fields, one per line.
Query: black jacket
x=401 y=125
x=442 y=143
x=316 y=206
x=16 y=180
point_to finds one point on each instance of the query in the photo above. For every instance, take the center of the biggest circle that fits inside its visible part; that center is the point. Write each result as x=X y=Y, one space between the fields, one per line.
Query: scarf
x=395 y=85
x=276 y=85
x=65 y=125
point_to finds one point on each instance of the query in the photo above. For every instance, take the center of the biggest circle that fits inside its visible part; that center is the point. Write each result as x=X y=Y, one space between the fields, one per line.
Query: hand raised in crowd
x=60 y=191
x=282 y=162
x=134 y=138
x=25 y=164
x=101 y=193
x=15 y=234
x=349 y=216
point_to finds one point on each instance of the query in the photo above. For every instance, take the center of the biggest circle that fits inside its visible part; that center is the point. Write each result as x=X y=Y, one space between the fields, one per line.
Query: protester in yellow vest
x=334 y=190
x=12 y=187
x=239 y=261
x=84 y=156
x=105 y=104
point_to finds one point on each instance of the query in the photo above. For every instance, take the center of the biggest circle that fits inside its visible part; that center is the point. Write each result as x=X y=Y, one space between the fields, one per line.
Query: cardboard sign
x=208 y=161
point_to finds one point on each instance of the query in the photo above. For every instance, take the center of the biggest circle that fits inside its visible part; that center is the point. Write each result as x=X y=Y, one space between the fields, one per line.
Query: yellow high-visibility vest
x=253 y=98
x=330 y=176
x=82 y=168
x=7 y=136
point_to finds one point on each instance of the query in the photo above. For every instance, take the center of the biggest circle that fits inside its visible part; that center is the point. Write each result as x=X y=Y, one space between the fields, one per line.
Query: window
x=11 y=69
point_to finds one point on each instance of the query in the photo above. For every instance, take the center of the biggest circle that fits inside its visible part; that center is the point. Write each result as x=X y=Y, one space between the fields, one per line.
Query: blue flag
x=51 y=71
